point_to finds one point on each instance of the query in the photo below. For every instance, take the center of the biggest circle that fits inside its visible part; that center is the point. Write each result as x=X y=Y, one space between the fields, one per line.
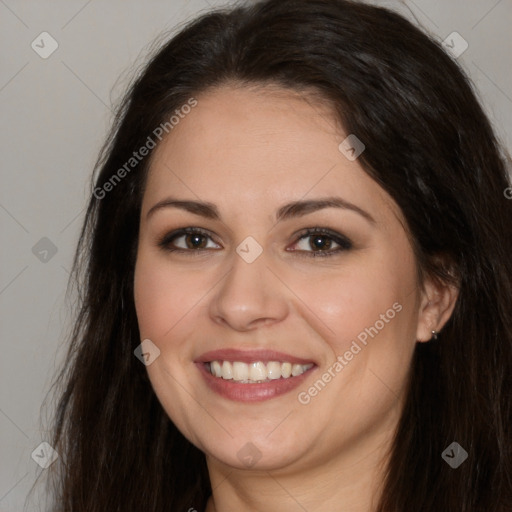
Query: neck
x=350 y=481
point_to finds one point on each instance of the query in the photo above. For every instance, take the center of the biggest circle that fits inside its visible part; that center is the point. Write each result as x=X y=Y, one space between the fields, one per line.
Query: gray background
x=55 y=113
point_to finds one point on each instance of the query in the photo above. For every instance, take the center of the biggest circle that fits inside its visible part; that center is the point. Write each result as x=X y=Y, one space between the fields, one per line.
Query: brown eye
x=194 y=240
x=319 y=242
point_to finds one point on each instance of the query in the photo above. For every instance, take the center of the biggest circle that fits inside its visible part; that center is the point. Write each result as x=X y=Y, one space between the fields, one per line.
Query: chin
x=255 y=453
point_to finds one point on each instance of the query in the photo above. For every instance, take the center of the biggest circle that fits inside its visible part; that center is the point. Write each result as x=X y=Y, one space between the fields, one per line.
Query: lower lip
x=233 y=390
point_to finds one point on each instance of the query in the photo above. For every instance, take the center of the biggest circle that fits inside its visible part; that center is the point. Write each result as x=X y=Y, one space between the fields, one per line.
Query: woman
x=297 y=278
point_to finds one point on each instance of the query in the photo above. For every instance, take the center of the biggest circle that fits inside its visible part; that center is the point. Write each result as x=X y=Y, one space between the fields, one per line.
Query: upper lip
x=249 y=356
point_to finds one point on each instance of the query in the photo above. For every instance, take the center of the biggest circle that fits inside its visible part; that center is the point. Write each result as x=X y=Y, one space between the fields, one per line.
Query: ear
x=436 y=306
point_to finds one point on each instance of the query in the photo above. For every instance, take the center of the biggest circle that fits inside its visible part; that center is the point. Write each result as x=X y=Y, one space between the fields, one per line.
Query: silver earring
x=434 y=336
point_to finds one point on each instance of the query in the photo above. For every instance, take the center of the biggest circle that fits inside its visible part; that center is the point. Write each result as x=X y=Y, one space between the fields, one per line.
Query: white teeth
x=216 y=369
x=297 y=370
x=286 y=370
x=227 y=370
x=256 y=371
x=274 y=370
x=240 y=371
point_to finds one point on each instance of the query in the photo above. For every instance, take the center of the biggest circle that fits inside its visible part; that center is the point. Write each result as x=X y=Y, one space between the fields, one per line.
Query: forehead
x=258 y=146
x=247 y=124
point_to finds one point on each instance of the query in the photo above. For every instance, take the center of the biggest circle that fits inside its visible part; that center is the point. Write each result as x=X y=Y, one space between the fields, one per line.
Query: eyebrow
x=288 y=211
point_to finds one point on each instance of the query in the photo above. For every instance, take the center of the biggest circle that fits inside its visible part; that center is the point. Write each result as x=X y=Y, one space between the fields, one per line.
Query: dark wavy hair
x=429 y=145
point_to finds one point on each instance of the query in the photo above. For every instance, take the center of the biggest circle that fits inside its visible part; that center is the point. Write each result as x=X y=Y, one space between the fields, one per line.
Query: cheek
x=160 y=310
x=368 y=315
x=361 y=295
x=158 y=305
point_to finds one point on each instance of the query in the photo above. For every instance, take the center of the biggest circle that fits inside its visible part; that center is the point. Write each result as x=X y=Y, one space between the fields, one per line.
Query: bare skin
x=249 y=152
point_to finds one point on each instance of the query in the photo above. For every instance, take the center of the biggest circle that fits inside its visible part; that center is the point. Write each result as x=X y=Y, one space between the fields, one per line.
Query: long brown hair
x=428 y=144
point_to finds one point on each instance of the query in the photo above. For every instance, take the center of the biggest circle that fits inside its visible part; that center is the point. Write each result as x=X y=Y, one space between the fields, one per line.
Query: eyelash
x=344 y=243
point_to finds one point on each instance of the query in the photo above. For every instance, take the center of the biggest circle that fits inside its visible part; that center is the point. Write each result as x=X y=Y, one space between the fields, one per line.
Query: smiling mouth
x=256 y=372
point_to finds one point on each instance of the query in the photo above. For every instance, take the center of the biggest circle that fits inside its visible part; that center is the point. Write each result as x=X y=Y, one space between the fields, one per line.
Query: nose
x=250 y=295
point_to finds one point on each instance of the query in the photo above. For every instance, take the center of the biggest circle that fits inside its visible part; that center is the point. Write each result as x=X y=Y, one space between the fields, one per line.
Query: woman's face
x=253 y=291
